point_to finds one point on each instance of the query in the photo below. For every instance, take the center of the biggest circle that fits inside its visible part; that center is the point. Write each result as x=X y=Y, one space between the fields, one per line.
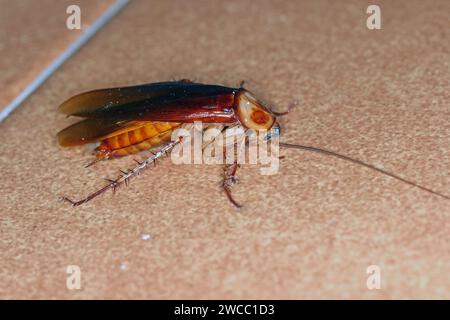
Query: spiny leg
x=239 y=141
x=127 y=175
x=229 y=170
x=229 y=178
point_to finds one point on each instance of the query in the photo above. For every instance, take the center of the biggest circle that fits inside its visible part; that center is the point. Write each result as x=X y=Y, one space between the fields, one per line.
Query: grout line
x=63 y=57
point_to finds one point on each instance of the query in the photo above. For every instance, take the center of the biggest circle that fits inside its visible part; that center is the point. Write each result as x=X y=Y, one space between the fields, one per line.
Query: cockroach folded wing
x=178 y=101
x=89 y=130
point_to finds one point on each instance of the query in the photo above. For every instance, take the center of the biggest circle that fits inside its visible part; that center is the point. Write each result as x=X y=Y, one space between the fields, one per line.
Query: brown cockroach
x=128 y=120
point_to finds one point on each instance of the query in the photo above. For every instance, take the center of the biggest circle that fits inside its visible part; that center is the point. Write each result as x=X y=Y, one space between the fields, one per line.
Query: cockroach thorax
x=252 y=113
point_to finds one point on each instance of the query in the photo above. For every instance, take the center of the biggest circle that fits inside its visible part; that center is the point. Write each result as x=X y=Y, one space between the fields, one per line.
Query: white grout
x=63 y=57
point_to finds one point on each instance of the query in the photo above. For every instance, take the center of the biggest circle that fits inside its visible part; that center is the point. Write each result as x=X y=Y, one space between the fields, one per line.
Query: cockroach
x=127 y=120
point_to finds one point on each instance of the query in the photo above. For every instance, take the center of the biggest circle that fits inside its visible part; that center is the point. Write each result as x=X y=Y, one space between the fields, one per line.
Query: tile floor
x=310 y=231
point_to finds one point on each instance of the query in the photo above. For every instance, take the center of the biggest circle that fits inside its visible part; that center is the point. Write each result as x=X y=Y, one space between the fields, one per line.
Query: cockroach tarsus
x=128 y=120
x=229 y=179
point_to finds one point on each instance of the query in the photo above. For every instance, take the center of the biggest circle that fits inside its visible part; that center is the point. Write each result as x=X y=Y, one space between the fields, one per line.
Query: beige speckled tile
x=32 y=34
x=308 y=232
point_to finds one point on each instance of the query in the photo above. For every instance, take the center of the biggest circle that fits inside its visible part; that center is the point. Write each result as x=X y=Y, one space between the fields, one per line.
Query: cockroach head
x=252 y=113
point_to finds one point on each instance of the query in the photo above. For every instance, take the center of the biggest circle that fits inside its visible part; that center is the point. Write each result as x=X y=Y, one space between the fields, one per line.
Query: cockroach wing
x=176 y=101
x=93 y=130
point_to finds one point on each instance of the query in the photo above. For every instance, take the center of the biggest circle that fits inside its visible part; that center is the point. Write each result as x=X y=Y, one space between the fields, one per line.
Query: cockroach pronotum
x=127 y=120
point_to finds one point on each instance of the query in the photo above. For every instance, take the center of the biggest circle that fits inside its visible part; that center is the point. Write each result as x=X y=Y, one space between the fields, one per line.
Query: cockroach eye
x=252 y=114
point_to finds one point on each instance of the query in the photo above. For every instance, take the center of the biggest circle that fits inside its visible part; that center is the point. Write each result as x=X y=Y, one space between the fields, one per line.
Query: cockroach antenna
x=361 y=163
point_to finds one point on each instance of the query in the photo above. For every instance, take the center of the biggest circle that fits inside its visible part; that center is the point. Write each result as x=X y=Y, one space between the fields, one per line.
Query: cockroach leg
x=125 y=177
x=93 y=162
x=242 y=84
x=229 y=178
x=101 y=155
